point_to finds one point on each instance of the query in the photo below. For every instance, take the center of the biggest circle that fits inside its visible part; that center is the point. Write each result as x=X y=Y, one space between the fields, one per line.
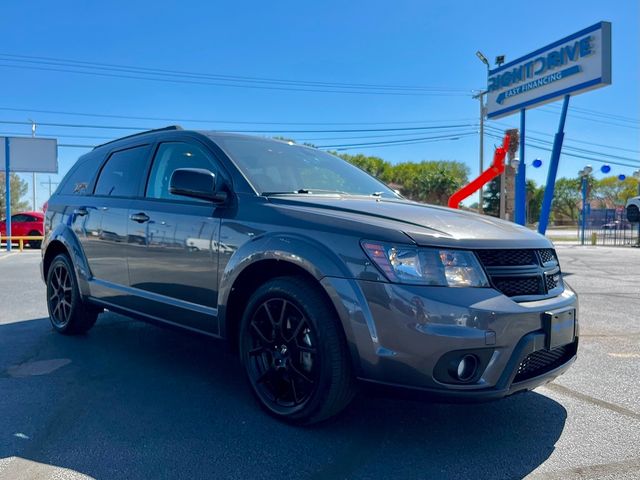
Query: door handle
x=139 y=217
x=81 y=211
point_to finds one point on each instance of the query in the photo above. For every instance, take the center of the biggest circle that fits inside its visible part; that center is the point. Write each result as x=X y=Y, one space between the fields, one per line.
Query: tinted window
x=19 y=218
x=77 y=181
x=171 y=156
x=121 y=175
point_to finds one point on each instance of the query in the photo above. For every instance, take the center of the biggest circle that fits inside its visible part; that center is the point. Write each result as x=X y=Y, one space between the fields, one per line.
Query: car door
x=173 y=243
x=18 y=224
x=33 y=225
x=105 y=220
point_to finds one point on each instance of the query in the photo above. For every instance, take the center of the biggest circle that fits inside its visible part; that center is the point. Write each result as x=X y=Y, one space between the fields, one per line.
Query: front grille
x=552 y=281
x=522 y=272
x=543 y=361
x=547 y=255
x=494 y=258
x=514 y=286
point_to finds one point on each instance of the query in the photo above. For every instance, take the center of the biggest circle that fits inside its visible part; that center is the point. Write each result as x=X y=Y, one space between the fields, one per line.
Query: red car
x=25 y=224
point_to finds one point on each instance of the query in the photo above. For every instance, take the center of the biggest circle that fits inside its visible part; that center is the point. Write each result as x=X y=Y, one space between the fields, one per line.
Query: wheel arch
x=62 y=240
x=278 y=256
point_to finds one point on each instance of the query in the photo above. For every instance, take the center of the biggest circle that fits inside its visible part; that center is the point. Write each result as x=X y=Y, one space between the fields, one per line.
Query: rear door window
x=123 y=172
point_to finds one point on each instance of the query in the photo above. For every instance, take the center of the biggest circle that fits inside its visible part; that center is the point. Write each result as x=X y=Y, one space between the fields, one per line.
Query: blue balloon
x=622 y=177
x=605 y=169
x=537 y=163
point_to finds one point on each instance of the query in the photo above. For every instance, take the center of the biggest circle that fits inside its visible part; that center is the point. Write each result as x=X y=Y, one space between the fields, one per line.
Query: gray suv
x=323 y=278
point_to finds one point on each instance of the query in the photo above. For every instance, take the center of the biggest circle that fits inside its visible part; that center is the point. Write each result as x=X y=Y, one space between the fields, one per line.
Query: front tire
x=68 y=314
x=294 y=352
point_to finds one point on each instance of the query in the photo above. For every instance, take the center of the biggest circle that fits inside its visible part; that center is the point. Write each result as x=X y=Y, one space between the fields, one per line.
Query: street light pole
x=33 y=178
x=480 y=96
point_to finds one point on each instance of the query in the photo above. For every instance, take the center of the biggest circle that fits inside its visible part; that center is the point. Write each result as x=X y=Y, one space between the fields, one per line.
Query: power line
x=596 y=120
x=533 y=145
x=285 y=131
x=193 y=120
x=600 y=114
x=397 y=142
x=168 y=76
x=74 y=145
x=358 y=137
x=308 y=139
x=577 y=149
x=614 y=147
x=63 y=135
x=85 y=64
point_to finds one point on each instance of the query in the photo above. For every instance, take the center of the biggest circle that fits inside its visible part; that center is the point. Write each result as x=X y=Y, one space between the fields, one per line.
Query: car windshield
x=275 y=167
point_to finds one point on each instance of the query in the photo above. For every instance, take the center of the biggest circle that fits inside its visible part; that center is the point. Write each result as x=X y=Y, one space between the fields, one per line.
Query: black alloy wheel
x=67 y=312
x=283 y=360
x=294 y=351
x=59 y=294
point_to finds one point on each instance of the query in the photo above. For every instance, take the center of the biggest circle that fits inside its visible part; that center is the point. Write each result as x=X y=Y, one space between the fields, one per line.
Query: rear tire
x=294 y=352
x=68 y=314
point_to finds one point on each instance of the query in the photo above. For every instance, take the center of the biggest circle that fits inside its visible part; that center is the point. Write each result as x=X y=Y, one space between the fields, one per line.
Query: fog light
x=467 y=368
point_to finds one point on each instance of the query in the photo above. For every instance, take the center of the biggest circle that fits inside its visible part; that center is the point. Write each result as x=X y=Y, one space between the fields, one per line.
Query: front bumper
x=400 y=334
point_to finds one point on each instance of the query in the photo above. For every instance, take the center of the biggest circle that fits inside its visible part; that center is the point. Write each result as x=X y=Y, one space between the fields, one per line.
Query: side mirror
x=196 y=183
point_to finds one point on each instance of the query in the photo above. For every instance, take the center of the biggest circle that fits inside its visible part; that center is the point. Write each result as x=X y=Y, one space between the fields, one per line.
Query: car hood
x=424 y=224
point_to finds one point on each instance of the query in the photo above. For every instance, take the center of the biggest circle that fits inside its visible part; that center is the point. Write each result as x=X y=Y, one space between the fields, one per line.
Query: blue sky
x=415 y=43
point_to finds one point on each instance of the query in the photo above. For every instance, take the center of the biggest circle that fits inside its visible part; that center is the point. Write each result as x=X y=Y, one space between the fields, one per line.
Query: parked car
x=25 y=224
x=616 y=225
x=321 y=277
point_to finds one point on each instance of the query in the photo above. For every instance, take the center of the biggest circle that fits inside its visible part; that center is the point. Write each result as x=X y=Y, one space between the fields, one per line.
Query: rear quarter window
x=79 y=178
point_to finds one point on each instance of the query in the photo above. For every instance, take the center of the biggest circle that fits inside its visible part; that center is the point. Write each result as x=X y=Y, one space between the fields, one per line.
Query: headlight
x=426 y=266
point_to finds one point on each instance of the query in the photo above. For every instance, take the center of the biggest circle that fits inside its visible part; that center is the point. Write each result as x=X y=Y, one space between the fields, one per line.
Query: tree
x=375 y=166
x=535 y=195
x=612 y=192
x=567 y=198
x=18 y=190
x=491 y=198
x=430 y=181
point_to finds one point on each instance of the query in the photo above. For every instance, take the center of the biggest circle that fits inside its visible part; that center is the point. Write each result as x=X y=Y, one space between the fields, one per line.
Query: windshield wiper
x=306 y=191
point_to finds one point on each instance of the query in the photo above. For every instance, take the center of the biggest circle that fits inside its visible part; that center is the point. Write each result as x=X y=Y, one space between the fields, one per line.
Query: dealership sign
x=28 y=154
x=573 y=65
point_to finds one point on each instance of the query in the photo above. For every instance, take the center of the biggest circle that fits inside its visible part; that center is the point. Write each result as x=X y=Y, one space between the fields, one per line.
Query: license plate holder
x=559 y=327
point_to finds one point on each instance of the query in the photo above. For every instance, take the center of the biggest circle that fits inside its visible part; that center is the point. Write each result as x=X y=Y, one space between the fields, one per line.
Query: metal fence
x=609 y=226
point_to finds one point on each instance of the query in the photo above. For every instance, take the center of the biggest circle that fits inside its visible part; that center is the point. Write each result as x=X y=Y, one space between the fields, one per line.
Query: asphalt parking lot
x=134 y=401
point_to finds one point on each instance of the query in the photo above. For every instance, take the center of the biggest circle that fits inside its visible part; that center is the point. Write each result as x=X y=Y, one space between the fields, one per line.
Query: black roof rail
x=163 y=129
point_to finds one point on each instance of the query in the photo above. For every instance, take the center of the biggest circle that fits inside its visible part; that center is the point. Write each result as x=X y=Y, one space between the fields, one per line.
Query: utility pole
x=50 y=184
x=33 y=179
x=480 y=97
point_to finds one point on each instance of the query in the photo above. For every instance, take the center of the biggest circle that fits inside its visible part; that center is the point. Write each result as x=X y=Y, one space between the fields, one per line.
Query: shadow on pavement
x=131 y=400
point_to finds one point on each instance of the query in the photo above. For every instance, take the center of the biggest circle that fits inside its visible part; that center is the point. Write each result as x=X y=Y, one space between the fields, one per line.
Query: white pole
x=33 y=177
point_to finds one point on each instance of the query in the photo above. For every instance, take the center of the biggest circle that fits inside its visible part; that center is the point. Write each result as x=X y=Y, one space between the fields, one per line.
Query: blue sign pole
x=584 y=208
x=7 y=174
x=521 y=179
x=553 y=170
